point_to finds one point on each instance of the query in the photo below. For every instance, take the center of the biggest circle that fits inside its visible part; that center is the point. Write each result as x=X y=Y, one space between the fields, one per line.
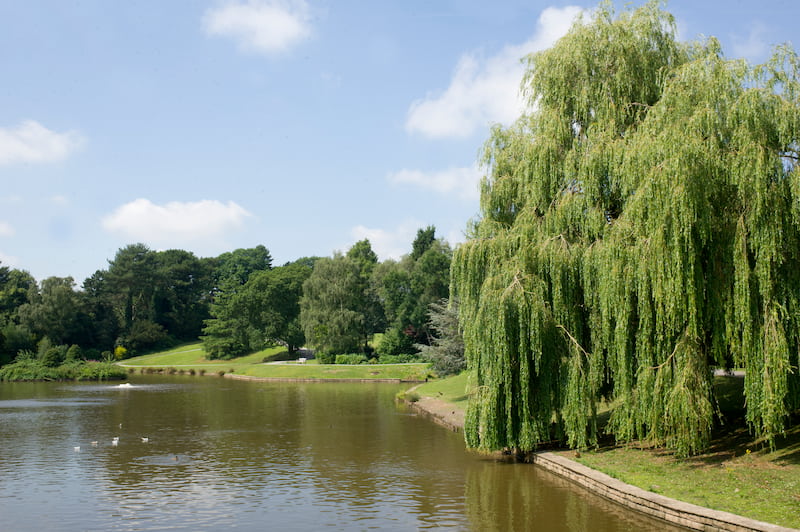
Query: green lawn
x=452 y=389
x=192 y=356
x=758 y=484
x=405 y=372
x=736 y=475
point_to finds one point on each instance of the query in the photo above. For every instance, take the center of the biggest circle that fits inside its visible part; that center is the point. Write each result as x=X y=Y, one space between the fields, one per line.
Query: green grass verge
x=405 y=372
x=756 y=484
x=451 y=389
x=192 y=356
x=736 y=475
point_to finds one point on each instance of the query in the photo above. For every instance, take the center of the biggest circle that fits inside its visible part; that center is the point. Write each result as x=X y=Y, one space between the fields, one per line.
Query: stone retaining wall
x=236 y=376
x=679 y=513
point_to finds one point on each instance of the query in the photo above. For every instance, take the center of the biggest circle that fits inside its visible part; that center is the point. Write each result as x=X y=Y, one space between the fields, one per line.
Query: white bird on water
x=145 y=440
x=77 y=449
x=115 y=441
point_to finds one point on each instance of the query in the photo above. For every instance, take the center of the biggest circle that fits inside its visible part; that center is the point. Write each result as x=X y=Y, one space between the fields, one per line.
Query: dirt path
x=440 y=411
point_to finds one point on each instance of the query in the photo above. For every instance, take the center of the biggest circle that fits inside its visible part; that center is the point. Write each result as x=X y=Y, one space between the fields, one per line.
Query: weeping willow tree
x=640 y=225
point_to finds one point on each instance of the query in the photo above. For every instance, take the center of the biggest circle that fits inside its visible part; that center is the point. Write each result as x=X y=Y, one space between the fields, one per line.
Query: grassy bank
x=192 y=357
x=28 y=369
x=736 y=475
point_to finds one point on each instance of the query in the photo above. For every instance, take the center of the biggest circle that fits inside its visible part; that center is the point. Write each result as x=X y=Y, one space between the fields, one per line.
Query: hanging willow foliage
x=640 y=225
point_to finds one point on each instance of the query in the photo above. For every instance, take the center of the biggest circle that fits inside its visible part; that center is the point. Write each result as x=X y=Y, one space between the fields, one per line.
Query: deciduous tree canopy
x=640 y=225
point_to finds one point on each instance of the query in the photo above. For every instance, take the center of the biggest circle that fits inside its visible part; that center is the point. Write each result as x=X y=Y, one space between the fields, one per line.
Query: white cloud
x=8 y=260
x=10 y=200
x=59 y=200
x=31 y=142
x=486 y=91
x=462 y=182
x=175 y=222
x=6 y=229
x=755 y=46
x=389 y=244
x=263 y=26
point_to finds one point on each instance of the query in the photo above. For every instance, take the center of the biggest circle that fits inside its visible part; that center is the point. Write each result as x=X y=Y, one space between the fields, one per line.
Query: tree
x=235 y=267
x=130 y=276
x=423 y=241
x=408 y=288
x=335 y=309
x=15 y=286
x=446 y=349
x=52 y=311
x=98 y=303
x=265 y=311
x=182 y=293
x=639 y=225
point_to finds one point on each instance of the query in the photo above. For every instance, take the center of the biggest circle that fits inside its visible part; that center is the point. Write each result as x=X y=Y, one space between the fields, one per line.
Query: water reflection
x=224 y=454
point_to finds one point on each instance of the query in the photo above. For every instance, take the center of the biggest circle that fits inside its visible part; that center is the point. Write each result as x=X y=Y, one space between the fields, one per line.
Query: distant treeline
x=236 y=303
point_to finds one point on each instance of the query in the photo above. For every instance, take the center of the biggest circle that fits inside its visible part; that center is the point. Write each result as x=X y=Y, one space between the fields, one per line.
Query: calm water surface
x=225 y=454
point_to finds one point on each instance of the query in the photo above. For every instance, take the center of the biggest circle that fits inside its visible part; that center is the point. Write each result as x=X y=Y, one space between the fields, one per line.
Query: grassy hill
x=271 y=363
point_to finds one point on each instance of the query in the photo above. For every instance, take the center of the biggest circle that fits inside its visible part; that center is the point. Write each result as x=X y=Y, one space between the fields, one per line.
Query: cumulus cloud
x=483 y=91
x=459 y=181
x=31 y=142
x=389 y=244
x=175 y=222
x=261 y=26
x=6 y=229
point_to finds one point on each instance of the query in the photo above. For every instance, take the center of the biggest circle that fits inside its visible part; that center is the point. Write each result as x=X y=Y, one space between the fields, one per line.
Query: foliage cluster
x=349 y=298
x=147 y=300
x=144 y=300
x=446 y=350
x=26 y=368
x=640 y=225
x=252 y=312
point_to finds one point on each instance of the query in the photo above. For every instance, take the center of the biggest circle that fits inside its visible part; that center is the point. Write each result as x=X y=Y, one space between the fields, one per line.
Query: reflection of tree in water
x=376 y=458
x=506 y=497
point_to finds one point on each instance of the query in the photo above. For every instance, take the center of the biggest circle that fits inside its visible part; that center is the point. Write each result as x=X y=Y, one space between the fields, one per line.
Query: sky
x=302 y=125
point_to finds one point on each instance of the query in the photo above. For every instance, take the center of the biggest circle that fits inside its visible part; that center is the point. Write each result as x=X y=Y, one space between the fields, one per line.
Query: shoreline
x=673 y=511
x=236 y=376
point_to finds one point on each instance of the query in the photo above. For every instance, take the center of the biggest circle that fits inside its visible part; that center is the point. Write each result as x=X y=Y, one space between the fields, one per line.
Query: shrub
x=395 y=342
x=325 y=358
x=354 y=358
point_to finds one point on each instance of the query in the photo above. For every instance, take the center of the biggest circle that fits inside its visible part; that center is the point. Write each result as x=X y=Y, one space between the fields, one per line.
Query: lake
x=225 y=454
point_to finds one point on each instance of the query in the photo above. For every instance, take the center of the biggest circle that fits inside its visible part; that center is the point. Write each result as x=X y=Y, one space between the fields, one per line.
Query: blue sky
x=301 y=125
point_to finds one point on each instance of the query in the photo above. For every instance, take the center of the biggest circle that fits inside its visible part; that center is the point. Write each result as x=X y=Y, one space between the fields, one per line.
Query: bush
x=395 y=342
x=100 y=371
x=354 y=358
x=29 y=369
x=325 y=358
